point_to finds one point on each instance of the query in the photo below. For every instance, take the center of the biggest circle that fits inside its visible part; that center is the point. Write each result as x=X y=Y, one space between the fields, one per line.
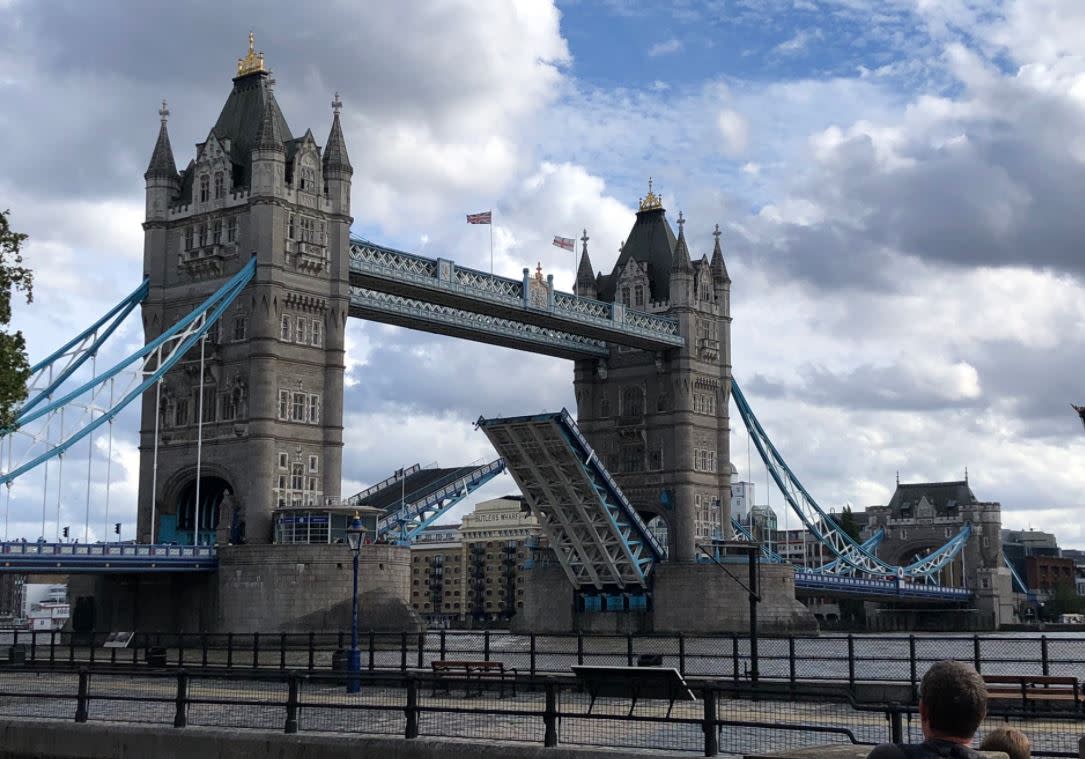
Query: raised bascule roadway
x=251 y=274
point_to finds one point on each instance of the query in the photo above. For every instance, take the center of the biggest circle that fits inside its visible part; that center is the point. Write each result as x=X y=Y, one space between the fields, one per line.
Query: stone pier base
x=686 y=598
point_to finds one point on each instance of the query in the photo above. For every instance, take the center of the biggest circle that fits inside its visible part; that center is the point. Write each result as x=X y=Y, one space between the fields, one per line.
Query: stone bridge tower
x=660 y=419
x=272 y=380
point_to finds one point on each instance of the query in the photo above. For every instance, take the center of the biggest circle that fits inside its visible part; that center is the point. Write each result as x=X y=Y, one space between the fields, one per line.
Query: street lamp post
x=354 y=537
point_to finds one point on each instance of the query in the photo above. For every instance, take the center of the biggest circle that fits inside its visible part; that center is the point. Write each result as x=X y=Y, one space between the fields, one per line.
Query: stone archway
x=912 y=551
x=213 y=491
x=657 y=525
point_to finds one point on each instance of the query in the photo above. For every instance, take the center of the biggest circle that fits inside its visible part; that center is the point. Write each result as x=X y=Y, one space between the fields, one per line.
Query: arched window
x=220 y=185
x=639 y=294
x=205 y=187
x=632 y=402
x=625 y=296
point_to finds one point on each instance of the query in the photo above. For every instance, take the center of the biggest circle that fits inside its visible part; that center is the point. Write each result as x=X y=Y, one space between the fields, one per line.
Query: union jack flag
x=486 y=217
x=564 y=242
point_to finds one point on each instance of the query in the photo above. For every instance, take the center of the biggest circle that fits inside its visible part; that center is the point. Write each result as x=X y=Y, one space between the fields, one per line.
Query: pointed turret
x=269 y=136
x=335 y=151
x=719 y=268
x=162 y=165
x=585 y=280
x=681 y=260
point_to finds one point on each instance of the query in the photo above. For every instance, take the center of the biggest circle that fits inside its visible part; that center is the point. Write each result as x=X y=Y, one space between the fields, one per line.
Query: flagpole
x=491 y=242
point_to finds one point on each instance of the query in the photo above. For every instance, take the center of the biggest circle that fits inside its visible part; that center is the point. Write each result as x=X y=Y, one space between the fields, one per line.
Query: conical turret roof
x=335 y=152
x=719 y=268
x=681 y=261
x=162 y=164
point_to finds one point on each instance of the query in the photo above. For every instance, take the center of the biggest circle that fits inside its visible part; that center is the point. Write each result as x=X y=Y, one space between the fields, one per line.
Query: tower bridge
x=251 y=275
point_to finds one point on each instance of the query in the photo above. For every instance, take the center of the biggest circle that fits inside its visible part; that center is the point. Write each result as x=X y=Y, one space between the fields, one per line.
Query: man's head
x=952 y=701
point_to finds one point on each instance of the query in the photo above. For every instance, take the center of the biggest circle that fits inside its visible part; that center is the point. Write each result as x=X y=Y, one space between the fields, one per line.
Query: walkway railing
x=724 y=718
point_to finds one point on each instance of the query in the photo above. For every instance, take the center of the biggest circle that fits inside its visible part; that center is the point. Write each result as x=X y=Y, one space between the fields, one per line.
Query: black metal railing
x=725 y=718
x=850 y=659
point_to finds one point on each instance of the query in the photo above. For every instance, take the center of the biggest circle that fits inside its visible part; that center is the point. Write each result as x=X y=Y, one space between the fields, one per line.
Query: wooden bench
x=446 y=671
x=1033 y=689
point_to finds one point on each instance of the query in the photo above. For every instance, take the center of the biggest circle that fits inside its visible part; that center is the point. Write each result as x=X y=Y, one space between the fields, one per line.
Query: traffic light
x=117 y=528
x=65 y=533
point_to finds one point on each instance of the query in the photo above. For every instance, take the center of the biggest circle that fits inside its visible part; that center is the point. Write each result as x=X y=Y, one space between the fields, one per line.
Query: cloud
x=735 y=132
x=667 y=47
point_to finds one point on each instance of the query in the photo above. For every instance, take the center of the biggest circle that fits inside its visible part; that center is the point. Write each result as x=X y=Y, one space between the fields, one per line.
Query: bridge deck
x=99 y=558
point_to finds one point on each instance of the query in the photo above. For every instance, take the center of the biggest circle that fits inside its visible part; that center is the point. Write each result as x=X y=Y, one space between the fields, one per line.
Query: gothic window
x=638 y=292
x=188 y=238
x=656 y=463
x=284 y=404
x=313 y=416
x=205 y=185
x=208 y=404
x=314 y=462
x=180 y=413
x=284 y=330
x=632 y=402
x=297 y=476
x=240 y=328
x=298 y=410
x=302 y=334
x=317 y=336
x=282 y=461
x=323 y=238
x=231 y=229
x=632 y=458
x=216 y=232
x=203 y=235
x=604 y=407
x=291 y=229
x=229 y=407
x=310 y=483
x=214 y=333
x=220 y=185
x=625 y=296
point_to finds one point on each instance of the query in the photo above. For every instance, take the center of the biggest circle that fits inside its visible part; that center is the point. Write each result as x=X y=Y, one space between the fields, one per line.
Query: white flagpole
x=491 y=242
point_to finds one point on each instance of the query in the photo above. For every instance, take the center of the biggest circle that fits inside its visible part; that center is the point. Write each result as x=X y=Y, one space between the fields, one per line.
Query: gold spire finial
x=253 y=62
x=651 y=201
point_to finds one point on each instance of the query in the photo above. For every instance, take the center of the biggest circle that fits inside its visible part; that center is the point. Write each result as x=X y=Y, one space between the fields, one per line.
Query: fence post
x=851 y=661
x=485 y=645
x=71 y=647
x=443 y=644
x=791 y=662
x=1043 y=655
x=976 y=652
x=403 y=652
x=339 y=640
x=579 y=648
x=681 y=654
x=421 y=649
x=112 y=656
x=180 y=650
x=372 y=648
x=629 y=649
x=711 y=735
x=33 y=645
x=896 y=725
x=532 y=640
x=81 y=702
x=550 y=715
x=52 y=646
x=312 y=650
x=229 y=650
x=203 y=650
x=255 y=650
x=282 y=652
x=91 y=655
x=912 y=668
x=411 y=709
x=179 y=718
x=291 y=704
x=734 y=655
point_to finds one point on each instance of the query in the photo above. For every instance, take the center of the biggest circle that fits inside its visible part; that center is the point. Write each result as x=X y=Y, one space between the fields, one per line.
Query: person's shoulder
x=887 y=751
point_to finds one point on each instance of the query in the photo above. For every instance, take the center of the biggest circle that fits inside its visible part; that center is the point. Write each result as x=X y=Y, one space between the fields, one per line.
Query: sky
x=895 y=182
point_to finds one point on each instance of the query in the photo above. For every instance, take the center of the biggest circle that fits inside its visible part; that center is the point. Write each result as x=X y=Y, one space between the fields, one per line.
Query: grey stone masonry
x=273 y=371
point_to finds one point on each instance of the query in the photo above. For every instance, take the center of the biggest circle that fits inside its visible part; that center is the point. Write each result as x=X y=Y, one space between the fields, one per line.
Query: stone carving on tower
x=660 y=419
x=272 y=385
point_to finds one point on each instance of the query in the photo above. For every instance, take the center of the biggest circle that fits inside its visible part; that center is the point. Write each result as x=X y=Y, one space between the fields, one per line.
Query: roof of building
x=943 y=496
x=162 y=163
x=651 y=241
x=242 y=117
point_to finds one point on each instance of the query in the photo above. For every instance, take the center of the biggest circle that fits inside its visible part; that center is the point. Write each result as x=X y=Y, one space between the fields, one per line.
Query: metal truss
x=823 y=527
x=770 y=556
x=596 y=534
x=383 y=269
x=408 y=520
x=52 y=371
x=94 y=403
x=401 y=474
x=434 y=317
x=103 y=558
x=1018 y=580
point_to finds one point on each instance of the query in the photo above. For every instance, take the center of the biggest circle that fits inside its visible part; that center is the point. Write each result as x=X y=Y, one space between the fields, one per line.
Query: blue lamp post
x=354 y=537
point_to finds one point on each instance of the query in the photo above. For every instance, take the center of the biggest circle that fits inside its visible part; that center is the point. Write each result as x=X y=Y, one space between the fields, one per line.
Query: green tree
x=1064 y=600
x=14 y=366
x=851 y=609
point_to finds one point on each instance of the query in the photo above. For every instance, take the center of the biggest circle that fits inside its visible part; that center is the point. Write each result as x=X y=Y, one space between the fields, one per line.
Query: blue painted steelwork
x=103 y=558
x=427 y=506
x=821 y=525
x=771 y=557
x=78 y=350
x=184 y=335
x=836 y=566
x=376 y=268
x=860 y=586
x=1019 y=581
x=595 y=533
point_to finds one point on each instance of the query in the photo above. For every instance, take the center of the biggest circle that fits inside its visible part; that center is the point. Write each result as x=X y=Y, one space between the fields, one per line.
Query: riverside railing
x=845 y=659
x=724 y=718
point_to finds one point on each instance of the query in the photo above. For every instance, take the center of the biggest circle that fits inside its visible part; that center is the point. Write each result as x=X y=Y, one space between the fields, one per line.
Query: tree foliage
x=14 y=366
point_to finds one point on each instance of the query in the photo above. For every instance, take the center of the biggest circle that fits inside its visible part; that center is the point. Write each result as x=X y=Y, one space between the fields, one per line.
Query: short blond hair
x=1013 y=742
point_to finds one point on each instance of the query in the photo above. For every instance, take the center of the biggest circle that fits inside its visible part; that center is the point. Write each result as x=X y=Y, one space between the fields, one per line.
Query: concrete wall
x=20 y=739
x=292 y=588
